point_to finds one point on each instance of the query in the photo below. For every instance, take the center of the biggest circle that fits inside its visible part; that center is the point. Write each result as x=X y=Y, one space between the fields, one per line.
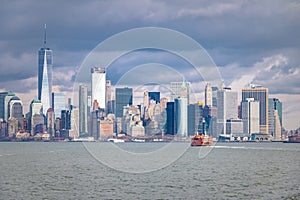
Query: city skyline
x=262 y=57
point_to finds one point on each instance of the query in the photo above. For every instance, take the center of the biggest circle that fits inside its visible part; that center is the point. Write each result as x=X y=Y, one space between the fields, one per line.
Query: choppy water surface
x=229 y=171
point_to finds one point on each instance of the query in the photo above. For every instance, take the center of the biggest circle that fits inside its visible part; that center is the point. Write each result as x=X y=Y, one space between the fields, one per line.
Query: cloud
x=211 y=10
x=273 y=72
x=251 y=41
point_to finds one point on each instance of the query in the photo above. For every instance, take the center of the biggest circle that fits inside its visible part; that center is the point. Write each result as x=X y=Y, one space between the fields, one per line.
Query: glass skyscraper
x=58 y=103
x=155 y=96
x=83 y=109
x=45 y=65
x=275 y=118
x=2 y=105
x=170 y=118
x=124 y=97
x=181 y=116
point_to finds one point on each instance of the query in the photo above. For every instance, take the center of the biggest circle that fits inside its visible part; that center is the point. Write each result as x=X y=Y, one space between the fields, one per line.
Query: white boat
x=115 y=140
x=138 y=140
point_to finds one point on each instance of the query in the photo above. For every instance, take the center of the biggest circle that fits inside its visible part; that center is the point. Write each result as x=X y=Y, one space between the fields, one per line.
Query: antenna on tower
x=45 y=36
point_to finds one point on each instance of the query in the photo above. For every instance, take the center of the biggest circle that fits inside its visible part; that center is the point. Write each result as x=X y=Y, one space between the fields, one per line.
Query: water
x=230 y=171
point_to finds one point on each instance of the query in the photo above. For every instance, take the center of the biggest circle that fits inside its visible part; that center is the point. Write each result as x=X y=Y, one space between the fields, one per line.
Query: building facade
x=250 y=115
x=208 y=95
x=58 y=103
x=261 y=95
x=170 y=126
x=99 y=86
x=275 y=118
x=124 y=97
x=181 y=117
x=45 y=68
x=83 y=109
x=180 y=89
x=227 y=108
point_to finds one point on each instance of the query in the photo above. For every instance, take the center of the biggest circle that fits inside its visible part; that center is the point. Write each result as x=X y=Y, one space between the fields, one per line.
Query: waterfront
x=230 y=171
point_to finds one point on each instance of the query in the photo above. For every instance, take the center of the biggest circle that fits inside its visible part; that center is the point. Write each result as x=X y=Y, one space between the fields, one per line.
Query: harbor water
x=68 y=170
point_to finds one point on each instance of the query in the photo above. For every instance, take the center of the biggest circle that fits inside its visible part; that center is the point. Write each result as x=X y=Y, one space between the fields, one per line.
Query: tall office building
x=275 y=118
x=15 y=110
x=108 y=97
x=2 y=100
x=208 y=95
x=170 y=118
x=181 y=116
x=99 y=86
x=36 y=115
x=180 y=89
x=45 y=64
x=210 y=117
x=276 y=104
x=195 y=113
x=250 y=116
x=214 y=96
x=58 y=103
x=7 y=98
x=155 y=96
x=74 y=120
x=146 y=99
x=50 y=122
x=259 y=94
x=227 y=107
x=124 y=97
x=83 y=109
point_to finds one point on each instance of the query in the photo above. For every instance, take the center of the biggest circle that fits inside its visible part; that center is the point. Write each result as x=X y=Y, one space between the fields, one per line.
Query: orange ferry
x=201 y=140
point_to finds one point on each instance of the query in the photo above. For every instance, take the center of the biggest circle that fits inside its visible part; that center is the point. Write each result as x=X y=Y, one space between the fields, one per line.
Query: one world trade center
x=45 y=64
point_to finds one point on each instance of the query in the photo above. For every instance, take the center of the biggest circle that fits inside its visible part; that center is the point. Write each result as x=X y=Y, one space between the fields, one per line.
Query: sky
x=249 y=41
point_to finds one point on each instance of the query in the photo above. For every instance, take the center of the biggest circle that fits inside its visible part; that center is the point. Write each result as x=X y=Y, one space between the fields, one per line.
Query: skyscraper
x=15 y=110
x=58 y=103
x=170 y=118
x=180 y=88
x=7 y=98
x=227 y=107
x=99 y=86
x=208 y=95
x=108 y=97
x=50 y=122
x=214 y=95
x=195 y=113
x=45 y=63
x=2 y=100
x=259 y=94
x=83 y=109
x=181 y=116
x=124 y=97
x=155 y=96
x=36 y=114
x=250 y=116
x=275 y=118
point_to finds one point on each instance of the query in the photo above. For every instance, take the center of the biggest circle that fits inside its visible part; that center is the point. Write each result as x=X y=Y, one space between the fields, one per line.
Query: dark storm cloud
x=237 y=34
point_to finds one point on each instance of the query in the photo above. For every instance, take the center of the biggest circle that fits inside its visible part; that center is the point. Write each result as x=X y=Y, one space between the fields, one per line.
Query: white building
x=250 y=116
x=208 y=95
x=227 y=101
x=99 y=86
x=234 y=126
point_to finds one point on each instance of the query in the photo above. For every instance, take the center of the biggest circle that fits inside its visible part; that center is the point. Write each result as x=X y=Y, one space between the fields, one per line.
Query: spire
x=45 y=36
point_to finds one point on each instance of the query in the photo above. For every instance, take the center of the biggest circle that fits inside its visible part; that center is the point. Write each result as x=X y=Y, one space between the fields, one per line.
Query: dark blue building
x=155 y=96
x=170 y=126
x=124 y=97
